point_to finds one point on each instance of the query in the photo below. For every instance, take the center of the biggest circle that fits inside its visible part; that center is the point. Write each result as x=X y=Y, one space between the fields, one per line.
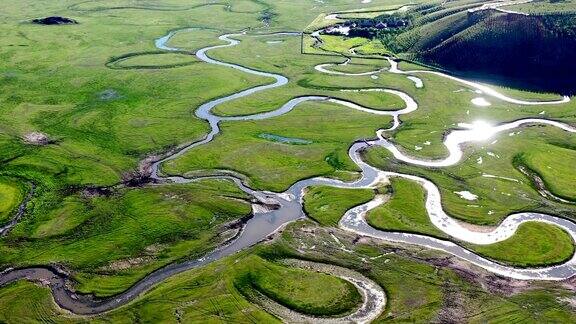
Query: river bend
x=266 y=222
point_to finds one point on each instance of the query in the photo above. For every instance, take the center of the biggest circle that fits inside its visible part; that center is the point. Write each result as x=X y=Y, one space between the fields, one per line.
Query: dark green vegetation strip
x=285 y=140
x=151 y=60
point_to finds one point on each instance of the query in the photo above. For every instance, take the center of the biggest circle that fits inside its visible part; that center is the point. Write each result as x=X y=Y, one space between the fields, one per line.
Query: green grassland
x=551 y=164
x=357 y=65
x=438 y=113
x=98 y=139
x=308 y=293
x=276 y=165
x=506 y=189
x=102 y=122
x=416 y=291
x=327 y=205
x=110 y=242
x=338 y=44
x=11 y=196
x=405 y=212
x=373 y=48
x=286 y=59
x=107 y=98
x=192 y=39
x=109 y=136
x=548 y=245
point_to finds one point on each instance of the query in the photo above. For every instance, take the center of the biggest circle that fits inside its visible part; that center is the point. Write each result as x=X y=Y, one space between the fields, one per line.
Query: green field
x=551 y=164
x=405 y=212
x=106 y=99
x=11 y=196
x=111 y=241
x=327 y=205
x=359 y=66
x=415 y=289
x=506 y=189
x=277 y=165
x=307 y=293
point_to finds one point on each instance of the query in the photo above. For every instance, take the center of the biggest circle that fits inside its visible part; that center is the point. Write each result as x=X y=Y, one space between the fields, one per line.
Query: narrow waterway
x=266 y=222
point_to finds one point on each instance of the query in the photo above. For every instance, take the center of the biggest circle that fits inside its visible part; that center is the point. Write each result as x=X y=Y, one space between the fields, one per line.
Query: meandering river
x=265 y=221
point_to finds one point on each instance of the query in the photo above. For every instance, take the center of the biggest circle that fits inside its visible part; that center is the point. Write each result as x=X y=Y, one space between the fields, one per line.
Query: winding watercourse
x=266 y=221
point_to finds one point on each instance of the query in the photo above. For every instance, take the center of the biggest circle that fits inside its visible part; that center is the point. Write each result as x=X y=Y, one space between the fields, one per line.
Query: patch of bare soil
x=135 y=179
x=569 y=284
x=263 y=207
x=477 y=228
x=453 y=306
x=91 y=192
x=145 y=166
x=488 y=281
x=37 y=138
x=570 y=301
x=147 y=256
x=126 y=264
x=541 y=185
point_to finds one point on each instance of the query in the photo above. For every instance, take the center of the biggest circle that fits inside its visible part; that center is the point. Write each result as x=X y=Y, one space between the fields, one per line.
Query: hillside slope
x=533 y=51
x=527 y=51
